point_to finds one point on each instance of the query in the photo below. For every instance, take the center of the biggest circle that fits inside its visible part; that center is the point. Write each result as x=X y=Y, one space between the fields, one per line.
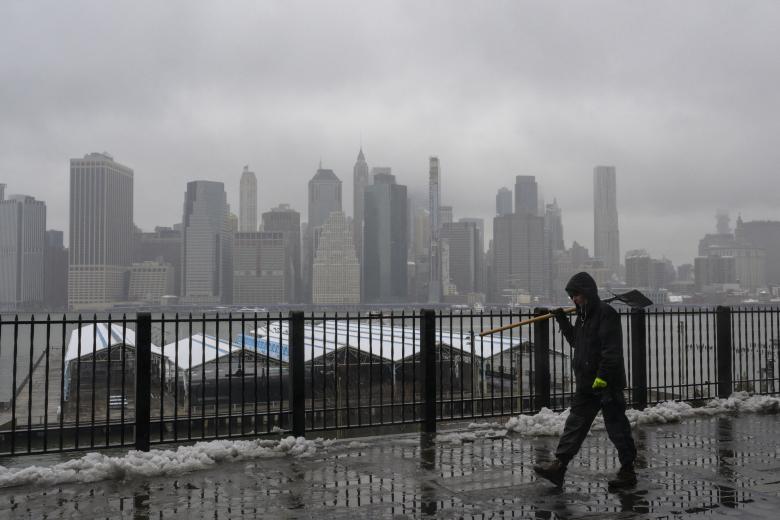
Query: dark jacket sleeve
x=611 y=339
x=566 y=328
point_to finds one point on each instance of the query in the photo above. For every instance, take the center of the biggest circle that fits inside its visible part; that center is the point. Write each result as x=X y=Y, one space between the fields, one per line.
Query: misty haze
x=262 y=220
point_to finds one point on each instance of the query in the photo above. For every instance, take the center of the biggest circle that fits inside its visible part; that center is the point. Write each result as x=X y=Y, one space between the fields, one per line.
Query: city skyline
x=234 y=202
x=536 y=88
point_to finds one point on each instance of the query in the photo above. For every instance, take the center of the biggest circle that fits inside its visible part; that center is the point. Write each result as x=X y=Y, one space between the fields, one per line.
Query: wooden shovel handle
x=525 y=322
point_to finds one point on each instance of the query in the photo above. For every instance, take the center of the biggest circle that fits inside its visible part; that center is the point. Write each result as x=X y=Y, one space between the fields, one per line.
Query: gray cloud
x=681 y=96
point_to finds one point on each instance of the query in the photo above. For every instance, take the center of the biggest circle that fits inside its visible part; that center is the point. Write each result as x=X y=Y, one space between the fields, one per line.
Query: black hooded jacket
x=596 y=337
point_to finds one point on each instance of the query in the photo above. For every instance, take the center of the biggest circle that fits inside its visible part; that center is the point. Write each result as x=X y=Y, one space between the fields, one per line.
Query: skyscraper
x=518 y=262
x=22 y=244
x=385 y=241
x=434 y=203
x=504 y=201
x=101 y=230
x=764 y=234
x=526 y=195
x=465 y=255
x=260 y=273
x=553 y=226
x=286 y=220
x=161 y=245
x=336 y=267
x=247 y=207
x=606 y=236
x=359 y=183
x=207 y=249
x=150 y=281
x=55 y=272
x=324 y=198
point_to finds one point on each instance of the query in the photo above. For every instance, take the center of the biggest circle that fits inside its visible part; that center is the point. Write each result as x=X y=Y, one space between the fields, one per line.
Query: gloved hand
x=559 y=314
x=599 y=384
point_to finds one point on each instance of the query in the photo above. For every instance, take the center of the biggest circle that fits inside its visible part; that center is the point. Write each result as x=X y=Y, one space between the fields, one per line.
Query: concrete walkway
x=726 y=466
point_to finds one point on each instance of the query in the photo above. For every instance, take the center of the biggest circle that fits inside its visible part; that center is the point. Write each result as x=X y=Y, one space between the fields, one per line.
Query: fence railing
x=71 y=383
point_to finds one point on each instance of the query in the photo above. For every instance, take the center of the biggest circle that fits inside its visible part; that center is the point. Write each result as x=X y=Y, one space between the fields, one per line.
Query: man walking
x=597 y=340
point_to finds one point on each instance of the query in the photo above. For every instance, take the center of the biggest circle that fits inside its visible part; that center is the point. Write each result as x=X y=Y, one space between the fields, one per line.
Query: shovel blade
x=634 y=299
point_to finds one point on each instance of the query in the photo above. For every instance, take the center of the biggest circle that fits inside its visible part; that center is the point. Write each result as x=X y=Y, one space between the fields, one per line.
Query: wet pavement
x=719 y=467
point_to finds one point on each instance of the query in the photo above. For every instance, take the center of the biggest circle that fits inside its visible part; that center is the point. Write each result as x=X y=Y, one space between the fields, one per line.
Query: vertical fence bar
x=638 y=358
x=541 y=360
x=143 y=380
x=297 y=374
x=723 y=327
x=428 y=368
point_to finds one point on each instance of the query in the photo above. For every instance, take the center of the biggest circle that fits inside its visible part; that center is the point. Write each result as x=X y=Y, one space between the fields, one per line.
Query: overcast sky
x=681 y=96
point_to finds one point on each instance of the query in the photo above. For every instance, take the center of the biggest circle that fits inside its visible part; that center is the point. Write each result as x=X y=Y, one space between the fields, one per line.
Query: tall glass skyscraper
x=247 y=206
x=359 y=183
x=22 y=245
x=606 y=235
x=434 y=226
x=207 y=248
x=385 y=241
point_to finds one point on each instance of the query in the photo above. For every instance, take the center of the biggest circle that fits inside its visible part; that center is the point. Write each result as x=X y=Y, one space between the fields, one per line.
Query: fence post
x=297 y=374
x=143 y=380
x=541 y=360
x=723 y=334
x=428 y=368
x=639 y=358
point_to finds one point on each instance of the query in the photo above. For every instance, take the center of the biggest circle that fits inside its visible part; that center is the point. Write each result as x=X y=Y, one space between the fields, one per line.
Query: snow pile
x=93 y=467
x=547 y=422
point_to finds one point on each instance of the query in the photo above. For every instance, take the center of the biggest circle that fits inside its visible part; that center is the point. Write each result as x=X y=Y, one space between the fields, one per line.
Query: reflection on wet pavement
x=726 y=466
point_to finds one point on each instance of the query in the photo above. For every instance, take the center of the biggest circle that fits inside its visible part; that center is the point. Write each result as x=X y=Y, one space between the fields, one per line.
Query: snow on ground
x=547 y=422
x=93 y=467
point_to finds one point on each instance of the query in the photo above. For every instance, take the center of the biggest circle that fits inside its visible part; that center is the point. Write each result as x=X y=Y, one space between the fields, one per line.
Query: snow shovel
x=633 y=298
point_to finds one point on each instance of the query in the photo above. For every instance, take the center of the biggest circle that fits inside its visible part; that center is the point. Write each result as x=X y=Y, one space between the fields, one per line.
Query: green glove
x=599 y=384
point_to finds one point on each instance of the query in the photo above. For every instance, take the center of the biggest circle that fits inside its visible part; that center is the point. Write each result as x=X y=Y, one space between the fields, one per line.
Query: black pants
x=584 y=408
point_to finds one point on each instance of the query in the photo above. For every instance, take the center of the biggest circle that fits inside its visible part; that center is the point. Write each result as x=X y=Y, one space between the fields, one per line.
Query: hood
x=584 y=284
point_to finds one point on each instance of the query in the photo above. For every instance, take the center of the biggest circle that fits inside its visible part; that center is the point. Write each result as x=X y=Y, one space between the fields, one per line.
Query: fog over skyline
x=681 y=97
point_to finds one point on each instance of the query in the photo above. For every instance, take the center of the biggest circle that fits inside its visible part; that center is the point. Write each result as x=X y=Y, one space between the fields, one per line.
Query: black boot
x=554 y=471
x=625 y=478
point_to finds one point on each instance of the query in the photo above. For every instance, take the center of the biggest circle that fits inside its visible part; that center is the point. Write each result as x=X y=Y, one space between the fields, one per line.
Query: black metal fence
x=71 y=383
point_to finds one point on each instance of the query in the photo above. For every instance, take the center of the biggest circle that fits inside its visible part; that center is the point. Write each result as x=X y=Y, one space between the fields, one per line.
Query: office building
x=336 y=267
x=526 y=195
x=22 y=245
x=163 y=245
x=445 y=215
x=518 y=257
x=465 y=264
x=287 y=221
x=385 y=242
x=324 y=198
x=247 y=206
x=359 y=183
x=434 y=226
x=207 y=249
x=606 y=235
x=763 y=234
x=55 y=272
x=101 y=231
x=150 y=281
x=261 y=266
x=504 y=204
